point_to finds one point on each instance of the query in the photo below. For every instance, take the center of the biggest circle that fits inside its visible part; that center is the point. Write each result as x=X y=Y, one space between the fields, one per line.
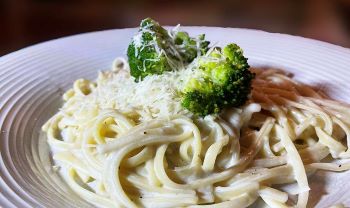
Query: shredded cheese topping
x=155 y=96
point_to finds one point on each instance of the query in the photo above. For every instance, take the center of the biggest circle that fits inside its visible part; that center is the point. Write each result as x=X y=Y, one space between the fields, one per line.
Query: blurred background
x=26 y=22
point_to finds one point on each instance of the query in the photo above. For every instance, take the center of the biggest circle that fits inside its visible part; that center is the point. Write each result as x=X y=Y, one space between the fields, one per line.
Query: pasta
x=116 y=155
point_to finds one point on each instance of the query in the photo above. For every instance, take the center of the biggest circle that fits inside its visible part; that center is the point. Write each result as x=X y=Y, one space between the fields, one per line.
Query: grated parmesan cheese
x=155 y=96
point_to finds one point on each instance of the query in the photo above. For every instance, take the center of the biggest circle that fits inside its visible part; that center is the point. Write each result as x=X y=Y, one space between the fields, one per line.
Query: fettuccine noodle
x=115 y=157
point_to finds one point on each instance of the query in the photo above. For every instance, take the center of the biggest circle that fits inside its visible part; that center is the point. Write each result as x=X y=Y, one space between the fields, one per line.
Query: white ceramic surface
x=32 y=81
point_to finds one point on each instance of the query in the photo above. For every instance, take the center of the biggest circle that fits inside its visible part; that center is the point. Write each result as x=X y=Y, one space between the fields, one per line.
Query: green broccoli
x=224 y=80
x=188 y=48
x=154 y=50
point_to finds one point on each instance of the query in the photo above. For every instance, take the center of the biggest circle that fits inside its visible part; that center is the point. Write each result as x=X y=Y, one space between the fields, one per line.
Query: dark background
x=26 y=22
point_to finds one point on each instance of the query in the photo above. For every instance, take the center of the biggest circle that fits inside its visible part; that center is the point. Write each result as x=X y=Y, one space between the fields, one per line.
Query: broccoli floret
x=144 y=51
x=188 y=47
x=224 y=80
x=153 y=50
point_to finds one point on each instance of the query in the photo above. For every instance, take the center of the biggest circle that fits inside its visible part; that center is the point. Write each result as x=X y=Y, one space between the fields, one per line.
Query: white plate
x=33 y=79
